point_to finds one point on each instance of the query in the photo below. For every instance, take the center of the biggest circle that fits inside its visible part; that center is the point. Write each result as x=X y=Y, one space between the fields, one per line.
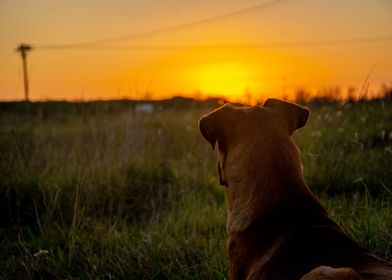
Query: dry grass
x=114 y=194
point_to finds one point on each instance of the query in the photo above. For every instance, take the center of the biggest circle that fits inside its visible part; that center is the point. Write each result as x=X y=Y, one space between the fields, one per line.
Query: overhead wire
x=159 y=31
x=106 y=44
x=307 y=43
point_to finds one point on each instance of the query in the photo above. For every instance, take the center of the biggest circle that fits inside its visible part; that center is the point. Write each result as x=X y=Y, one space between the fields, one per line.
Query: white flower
x=41 y=253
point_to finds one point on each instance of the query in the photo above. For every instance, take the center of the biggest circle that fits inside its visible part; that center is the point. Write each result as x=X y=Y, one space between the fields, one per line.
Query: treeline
x=337 y=94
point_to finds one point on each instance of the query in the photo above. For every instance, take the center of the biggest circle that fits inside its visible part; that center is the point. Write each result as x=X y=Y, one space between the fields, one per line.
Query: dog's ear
x=213 y=125
x=294 y=115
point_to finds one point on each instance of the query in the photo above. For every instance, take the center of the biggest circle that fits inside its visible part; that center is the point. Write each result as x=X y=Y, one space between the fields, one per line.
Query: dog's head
x=251 y=128
x=254 y=146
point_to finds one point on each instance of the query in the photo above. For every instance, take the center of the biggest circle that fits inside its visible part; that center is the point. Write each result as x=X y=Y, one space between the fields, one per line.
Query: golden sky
x=262 y=51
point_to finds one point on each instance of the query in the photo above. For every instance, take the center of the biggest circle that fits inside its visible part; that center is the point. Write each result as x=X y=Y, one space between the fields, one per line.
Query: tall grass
x=100 y=191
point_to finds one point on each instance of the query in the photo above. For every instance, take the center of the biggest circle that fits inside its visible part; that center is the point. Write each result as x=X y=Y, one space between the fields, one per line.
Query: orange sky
x=235 y=57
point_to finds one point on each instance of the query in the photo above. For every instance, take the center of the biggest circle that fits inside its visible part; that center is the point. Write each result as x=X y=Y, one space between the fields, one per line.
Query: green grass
x=112 y=194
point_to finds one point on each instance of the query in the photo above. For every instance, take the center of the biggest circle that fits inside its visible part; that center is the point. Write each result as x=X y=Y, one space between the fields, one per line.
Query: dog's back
x=291 y=242
x=314 y=242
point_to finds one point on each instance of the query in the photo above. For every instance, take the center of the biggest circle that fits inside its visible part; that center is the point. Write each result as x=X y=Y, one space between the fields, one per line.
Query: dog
x=277 y=229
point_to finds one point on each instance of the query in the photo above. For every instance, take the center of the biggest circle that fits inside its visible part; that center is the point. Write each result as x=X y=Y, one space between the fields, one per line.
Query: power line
x=164 y=30
x=103 y=44
x=307 y=43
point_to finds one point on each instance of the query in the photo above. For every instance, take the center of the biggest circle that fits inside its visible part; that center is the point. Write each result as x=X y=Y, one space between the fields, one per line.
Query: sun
x=229 y=79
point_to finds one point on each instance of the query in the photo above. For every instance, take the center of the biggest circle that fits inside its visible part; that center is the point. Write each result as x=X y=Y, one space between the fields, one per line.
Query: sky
x=249 y=49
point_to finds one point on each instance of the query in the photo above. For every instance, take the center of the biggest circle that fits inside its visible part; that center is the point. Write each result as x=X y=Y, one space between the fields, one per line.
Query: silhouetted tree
x=386 y=92
x=351 y=91
x=302 y=96
x=330 y=94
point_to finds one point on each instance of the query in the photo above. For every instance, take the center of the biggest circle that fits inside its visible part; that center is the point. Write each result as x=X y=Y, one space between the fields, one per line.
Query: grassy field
x=99 y=191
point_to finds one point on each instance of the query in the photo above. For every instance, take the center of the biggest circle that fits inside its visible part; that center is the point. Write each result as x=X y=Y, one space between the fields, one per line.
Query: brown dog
x=277 y=229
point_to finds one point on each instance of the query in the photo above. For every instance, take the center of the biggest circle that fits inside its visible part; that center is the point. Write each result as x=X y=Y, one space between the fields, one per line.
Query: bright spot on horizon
x=230 y=79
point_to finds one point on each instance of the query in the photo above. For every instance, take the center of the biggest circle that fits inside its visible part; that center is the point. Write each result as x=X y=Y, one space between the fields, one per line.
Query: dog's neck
x=273 y=182
x=251 y=206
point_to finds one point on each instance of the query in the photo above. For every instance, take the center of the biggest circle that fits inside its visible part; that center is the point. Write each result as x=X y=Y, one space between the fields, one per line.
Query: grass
x=95 y=190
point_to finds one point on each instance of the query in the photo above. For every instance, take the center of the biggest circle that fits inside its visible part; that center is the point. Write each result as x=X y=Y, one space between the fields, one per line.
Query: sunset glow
x=226 y=78
x=255 y=53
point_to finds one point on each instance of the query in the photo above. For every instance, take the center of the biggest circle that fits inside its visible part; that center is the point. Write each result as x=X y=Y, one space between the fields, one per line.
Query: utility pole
x=23 y=49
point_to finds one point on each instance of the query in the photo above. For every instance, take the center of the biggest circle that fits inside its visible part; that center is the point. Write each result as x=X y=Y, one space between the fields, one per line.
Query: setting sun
x=231 y=79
